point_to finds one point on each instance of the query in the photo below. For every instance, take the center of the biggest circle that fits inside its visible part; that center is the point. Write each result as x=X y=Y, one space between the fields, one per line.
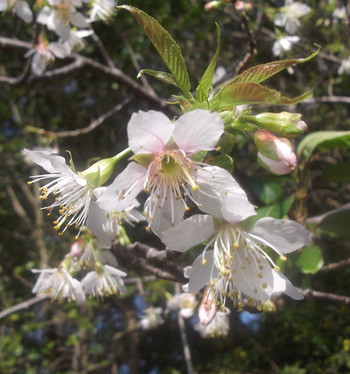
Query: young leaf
x=323 y=141
x=160 y=75
x=166 y=46
x=224 y=162
x=207 y=78
x=260 y=73
x=253 y=93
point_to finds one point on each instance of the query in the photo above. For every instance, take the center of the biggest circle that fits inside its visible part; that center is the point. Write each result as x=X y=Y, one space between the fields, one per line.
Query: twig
x=25 y=305
x=325 y=295
x=96 y=122
x=336 y=265
x=185 y=345
x=327 y=99
x=103 y=50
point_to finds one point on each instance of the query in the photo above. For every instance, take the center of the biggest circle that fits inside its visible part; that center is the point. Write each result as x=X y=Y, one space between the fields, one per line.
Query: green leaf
x=253 y=93
x=224 y=162
x=267 y=189
x=260 y=73
x=276 y=211
x=207 y=78
x=166 y=46
x=226 y=143
x=310 y=260
x=160 y=75
x=336 y=221
x=322 y=141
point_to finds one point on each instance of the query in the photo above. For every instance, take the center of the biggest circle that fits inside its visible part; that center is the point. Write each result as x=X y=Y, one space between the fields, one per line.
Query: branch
x=327 y=99
x=324 y=295
x=25 y=305
x=336 y=265
x=95 y=123
x=78 y=62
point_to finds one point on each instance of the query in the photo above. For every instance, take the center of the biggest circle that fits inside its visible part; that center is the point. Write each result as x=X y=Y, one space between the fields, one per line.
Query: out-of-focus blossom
x=339 y=14
x=290 y=14
x=151 y=318
x=219 y=326
x=60 y=15
x=101 y=10
x=20 y=7
x=284 y=44
x=344 y=67
x=45 y=52
x=275 y=154
x=104 y=282
x=59 y=284
x=185 y=303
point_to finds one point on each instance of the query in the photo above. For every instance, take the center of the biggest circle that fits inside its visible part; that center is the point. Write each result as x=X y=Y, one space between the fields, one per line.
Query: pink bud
x=207 y=309
x=275 y=154
x=77 y=248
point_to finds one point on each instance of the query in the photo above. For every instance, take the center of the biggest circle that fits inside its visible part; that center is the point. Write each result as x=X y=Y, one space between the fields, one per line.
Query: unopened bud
x=207 y=310
x=275 y=154
x=284 y=123
x=77 y=248
x=212 y=5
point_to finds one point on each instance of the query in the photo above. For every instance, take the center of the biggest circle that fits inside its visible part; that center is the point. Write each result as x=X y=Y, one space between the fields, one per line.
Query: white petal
x=38 y=64
x=166 y=216
x=122 y=192
x=219 y=193
x=60 y=50
x=201 y=274
x=23 y=11
x=114 y=271
x=189 y=233
x=282 y=284
x=198 y=130
x=44 y=15
x=3 y=5
x=283 y=235
x=254 y=281
x=78 y=20
x=95 y=222
x=148 y=132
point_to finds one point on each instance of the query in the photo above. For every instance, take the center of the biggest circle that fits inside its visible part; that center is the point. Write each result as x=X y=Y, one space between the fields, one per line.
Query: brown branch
x=96 y=122
x=103 y=50
x=327 y=99
x=25 y=305
x=325 y=295
x=336 y=265
x=79 y=62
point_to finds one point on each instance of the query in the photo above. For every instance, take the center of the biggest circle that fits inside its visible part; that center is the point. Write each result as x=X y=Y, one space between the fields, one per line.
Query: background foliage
x=310 y=336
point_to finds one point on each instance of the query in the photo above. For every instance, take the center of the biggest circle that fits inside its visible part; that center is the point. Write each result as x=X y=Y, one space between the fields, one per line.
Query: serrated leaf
x=336 y=221
x=160 y=75
x=207 y=78
x=224 y=162
x=253 y=93
x=165 y=45
x=310 y=260
x=260 y=73
x=322 y=141
x=275 y=211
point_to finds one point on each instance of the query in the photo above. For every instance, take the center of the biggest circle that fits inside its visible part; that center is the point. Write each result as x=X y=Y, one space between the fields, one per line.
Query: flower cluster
x=169 y=166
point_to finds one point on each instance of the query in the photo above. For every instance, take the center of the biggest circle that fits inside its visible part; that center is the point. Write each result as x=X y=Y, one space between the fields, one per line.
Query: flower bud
x=77 y=248
x=275 y=154
x=207 y=309
x=212 y=5
x=284 y=123
x=98 y=173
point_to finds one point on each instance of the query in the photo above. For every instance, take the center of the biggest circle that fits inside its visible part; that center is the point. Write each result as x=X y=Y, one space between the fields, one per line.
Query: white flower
x=102 y=9
x=73 y=195
x=20 y=7
x=166 y=170
x=238 y=267
x=59 y=284
x=45 y=52
x=339 y=14
x=185 y=303
x=151 y=318
x=219 y=326
x=344 y=67
x=290 y=14
x=59 y=16
x=104 y=282
x=284 y=44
